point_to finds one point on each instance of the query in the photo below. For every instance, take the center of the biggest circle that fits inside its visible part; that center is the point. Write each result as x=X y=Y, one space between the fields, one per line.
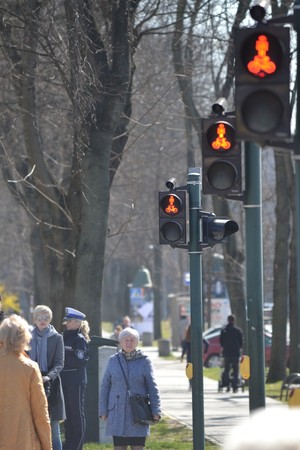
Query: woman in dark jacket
x=114 y=405
x=47 y=349
x=74 y=378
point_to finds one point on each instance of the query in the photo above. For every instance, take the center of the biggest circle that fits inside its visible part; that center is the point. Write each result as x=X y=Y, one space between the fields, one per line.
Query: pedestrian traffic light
x=262 y=75
x=221 y=156
x=215 y=230
x=172 y=217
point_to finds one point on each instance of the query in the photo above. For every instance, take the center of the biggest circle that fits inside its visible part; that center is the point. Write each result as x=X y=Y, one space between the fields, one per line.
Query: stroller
x=224 y=384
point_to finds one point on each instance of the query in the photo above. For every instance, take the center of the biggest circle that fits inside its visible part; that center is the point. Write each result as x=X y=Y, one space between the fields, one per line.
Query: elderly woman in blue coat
x=114 y=405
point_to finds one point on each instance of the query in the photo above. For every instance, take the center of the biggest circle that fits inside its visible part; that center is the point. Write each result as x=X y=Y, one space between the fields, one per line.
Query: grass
x=167 y=434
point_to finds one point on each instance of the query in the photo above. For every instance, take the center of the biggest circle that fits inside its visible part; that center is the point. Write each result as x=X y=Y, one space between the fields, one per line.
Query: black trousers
x=75 y=421
x=231 y=363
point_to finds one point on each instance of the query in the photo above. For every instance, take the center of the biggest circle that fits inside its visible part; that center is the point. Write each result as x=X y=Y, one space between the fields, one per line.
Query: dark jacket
x=231 y=340
x=55 y=362
x=76 y=355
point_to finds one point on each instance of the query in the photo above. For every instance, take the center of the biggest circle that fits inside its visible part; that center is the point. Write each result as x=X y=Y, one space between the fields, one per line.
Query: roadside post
x=194 y=185
x=205 y=230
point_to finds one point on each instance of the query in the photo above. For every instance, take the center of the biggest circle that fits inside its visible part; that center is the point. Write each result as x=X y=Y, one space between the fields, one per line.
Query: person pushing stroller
x=231 y=340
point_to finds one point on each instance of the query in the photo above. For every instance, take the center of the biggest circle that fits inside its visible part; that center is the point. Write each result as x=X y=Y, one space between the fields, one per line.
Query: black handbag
x=141 y=409
x=54 y=395
x=139 y=404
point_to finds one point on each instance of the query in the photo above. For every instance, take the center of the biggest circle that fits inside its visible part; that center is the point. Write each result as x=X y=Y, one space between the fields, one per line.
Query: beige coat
x=24 y=419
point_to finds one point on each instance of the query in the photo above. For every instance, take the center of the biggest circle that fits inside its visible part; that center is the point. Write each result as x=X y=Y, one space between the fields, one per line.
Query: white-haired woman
x=47 y=349
x=74 y=377
x=114 y=405
x=24 y=418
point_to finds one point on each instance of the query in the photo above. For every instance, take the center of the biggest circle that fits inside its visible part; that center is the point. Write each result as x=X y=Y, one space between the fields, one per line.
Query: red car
x=212 y=358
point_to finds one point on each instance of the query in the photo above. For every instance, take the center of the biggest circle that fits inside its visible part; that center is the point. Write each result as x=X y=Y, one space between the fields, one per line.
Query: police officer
x=73 y=376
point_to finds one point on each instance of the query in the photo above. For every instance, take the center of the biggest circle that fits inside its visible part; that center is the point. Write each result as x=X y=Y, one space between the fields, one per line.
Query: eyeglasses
x=42 y=319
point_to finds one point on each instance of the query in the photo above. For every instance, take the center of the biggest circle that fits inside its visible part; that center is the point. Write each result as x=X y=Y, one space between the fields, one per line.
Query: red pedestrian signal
x=262 y=75
x=262 y=65
x=171 y=204
x=172 y=217
x=221 y=157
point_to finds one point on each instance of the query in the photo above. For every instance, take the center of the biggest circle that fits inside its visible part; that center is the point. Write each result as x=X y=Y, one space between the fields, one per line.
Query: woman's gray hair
x=129 y=332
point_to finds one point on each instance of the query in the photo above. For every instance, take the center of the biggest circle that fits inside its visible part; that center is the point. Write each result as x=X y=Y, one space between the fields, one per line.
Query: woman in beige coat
x=24 y=419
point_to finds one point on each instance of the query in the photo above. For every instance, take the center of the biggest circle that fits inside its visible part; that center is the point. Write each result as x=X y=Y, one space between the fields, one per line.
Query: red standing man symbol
x=171 y=208
x=262 y=64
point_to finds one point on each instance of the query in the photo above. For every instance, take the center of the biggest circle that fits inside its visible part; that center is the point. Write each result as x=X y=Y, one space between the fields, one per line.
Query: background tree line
x=101 y=102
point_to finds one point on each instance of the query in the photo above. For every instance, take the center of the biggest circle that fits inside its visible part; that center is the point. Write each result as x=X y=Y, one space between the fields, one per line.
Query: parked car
x=213 y=358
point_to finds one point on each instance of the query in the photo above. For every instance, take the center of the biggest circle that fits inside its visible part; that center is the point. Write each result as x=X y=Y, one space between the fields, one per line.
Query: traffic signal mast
x=215 y=230
x=262 y=77
x=221 y=153
x=172 y=216
x=173 y=221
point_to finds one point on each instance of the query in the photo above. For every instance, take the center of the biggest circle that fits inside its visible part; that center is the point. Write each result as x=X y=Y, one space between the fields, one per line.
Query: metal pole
x=194 y=189
x=254 y=275
x=297 y=175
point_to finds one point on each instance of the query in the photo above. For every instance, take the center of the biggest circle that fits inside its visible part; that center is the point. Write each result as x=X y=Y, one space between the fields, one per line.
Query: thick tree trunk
x=91 y=247
x=281 y=270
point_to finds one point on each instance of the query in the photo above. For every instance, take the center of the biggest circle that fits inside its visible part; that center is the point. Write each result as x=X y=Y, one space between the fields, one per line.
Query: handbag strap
x=125 y=378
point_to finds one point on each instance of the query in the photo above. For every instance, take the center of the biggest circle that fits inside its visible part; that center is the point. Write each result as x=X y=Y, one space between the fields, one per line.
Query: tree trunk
x=281 y=270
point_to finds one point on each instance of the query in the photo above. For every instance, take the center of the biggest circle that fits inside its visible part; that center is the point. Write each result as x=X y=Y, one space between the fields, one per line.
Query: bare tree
x=87 y=47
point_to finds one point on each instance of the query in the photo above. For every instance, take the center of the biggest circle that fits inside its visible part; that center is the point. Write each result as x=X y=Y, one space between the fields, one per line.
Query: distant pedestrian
x=183 y=324
x=114 y=406
x=116 y=333
x=47 y=349
x=231 y=340
x=126 y=322
x=24 y=418
x=74 y=377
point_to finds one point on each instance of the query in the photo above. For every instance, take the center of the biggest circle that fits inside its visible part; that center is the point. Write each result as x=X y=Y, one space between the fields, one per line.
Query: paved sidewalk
x=221 y=410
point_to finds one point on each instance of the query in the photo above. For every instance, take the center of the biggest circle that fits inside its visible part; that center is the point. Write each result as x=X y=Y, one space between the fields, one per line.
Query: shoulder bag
x=140 y=405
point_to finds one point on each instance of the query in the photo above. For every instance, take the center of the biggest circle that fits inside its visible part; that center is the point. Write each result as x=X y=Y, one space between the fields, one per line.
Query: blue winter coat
x=113 y=400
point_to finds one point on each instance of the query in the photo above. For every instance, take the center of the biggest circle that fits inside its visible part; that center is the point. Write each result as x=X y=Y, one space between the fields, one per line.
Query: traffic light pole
x=297 y=173
x=194 y=189
x=254 y=270
x=205 y=230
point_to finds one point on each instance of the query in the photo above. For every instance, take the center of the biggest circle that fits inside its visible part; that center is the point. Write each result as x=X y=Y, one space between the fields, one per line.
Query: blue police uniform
x=74 y=379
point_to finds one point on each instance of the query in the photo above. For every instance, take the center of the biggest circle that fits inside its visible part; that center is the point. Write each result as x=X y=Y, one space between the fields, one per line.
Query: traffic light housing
x=221 y=156
x=172 y=217
x=215 y=230
x=262 y=76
